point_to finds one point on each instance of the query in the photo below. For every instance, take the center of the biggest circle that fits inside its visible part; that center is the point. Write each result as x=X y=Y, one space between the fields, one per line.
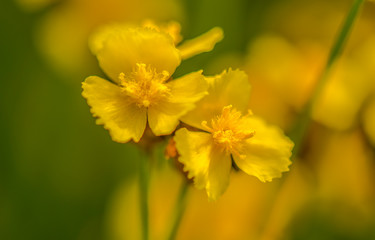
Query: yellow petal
x=227 y=88
x=194 y=149
x=124 y=120
x=189 y=88
x=218 y=174
x=123 y=47
x=267 y=153
x=203 y=43
x=164 y=116
x=172 y=28
x=98 y=38
x=209 y=167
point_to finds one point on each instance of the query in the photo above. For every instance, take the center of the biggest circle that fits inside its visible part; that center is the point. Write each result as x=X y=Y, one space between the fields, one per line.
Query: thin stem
x=179 y=210
x=144 y=172
x=303 y=122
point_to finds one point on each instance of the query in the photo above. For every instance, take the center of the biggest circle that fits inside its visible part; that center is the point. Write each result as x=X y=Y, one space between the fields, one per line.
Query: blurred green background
x=59 y=171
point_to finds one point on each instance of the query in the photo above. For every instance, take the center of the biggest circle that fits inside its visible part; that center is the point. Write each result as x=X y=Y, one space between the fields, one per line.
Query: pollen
x=144 y=85
x=229 y=131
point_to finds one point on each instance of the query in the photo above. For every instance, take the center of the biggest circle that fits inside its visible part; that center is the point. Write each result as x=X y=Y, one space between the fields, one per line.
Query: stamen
x=144 y=85
x=229 y=131
x=206 y=127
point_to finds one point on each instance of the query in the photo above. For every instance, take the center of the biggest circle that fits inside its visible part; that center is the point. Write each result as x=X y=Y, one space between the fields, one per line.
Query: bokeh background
x=61 y=176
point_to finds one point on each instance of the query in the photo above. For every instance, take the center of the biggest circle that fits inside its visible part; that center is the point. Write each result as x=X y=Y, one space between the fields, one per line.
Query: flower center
x=229 y=131
x=144 y=85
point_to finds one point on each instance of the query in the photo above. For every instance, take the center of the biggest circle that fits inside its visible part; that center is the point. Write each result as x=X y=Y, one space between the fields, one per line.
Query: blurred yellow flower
x=140 y=62
x=282 y=75
x=189 y=48
x=78 y=18
x=256 y=148
x=336 y=176
x=339 y=103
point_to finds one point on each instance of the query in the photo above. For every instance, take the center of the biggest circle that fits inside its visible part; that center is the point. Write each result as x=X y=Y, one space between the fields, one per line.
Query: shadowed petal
x=209 y=167
x=164 y=116
x=189 y=88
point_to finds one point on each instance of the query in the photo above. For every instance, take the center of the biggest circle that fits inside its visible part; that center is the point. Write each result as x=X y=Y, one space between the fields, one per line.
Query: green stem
x=179 y=210
x=144 y=172
x=303 y=122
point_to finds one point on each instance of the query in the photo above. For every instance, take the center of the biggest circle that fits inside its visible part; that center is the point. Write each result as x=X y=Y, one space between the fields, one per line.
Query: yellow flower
x=350 y=84
x=140 y=62
x=255 y=147
x=189 y=48
x=78 y=18
x=279 y=93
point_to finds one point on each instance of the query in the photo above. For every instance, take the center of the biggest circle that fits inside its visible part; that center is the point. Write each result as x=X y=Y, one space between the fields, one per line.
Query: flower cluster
x=140 y=61
x=229 y=132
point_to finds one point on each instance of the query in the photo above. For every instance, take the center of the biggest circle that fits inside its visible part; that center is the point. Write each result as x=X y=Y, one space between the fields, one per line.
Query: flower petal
x=209 y=167
x=267 y=153
x=164 y=116
x=119 y=49
x=228 y=88
x=204 y=43
x=189 y=88
x=123 y=119
x=98 y=38
x=218 y=174
x=172 y=28
x=194 y=149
